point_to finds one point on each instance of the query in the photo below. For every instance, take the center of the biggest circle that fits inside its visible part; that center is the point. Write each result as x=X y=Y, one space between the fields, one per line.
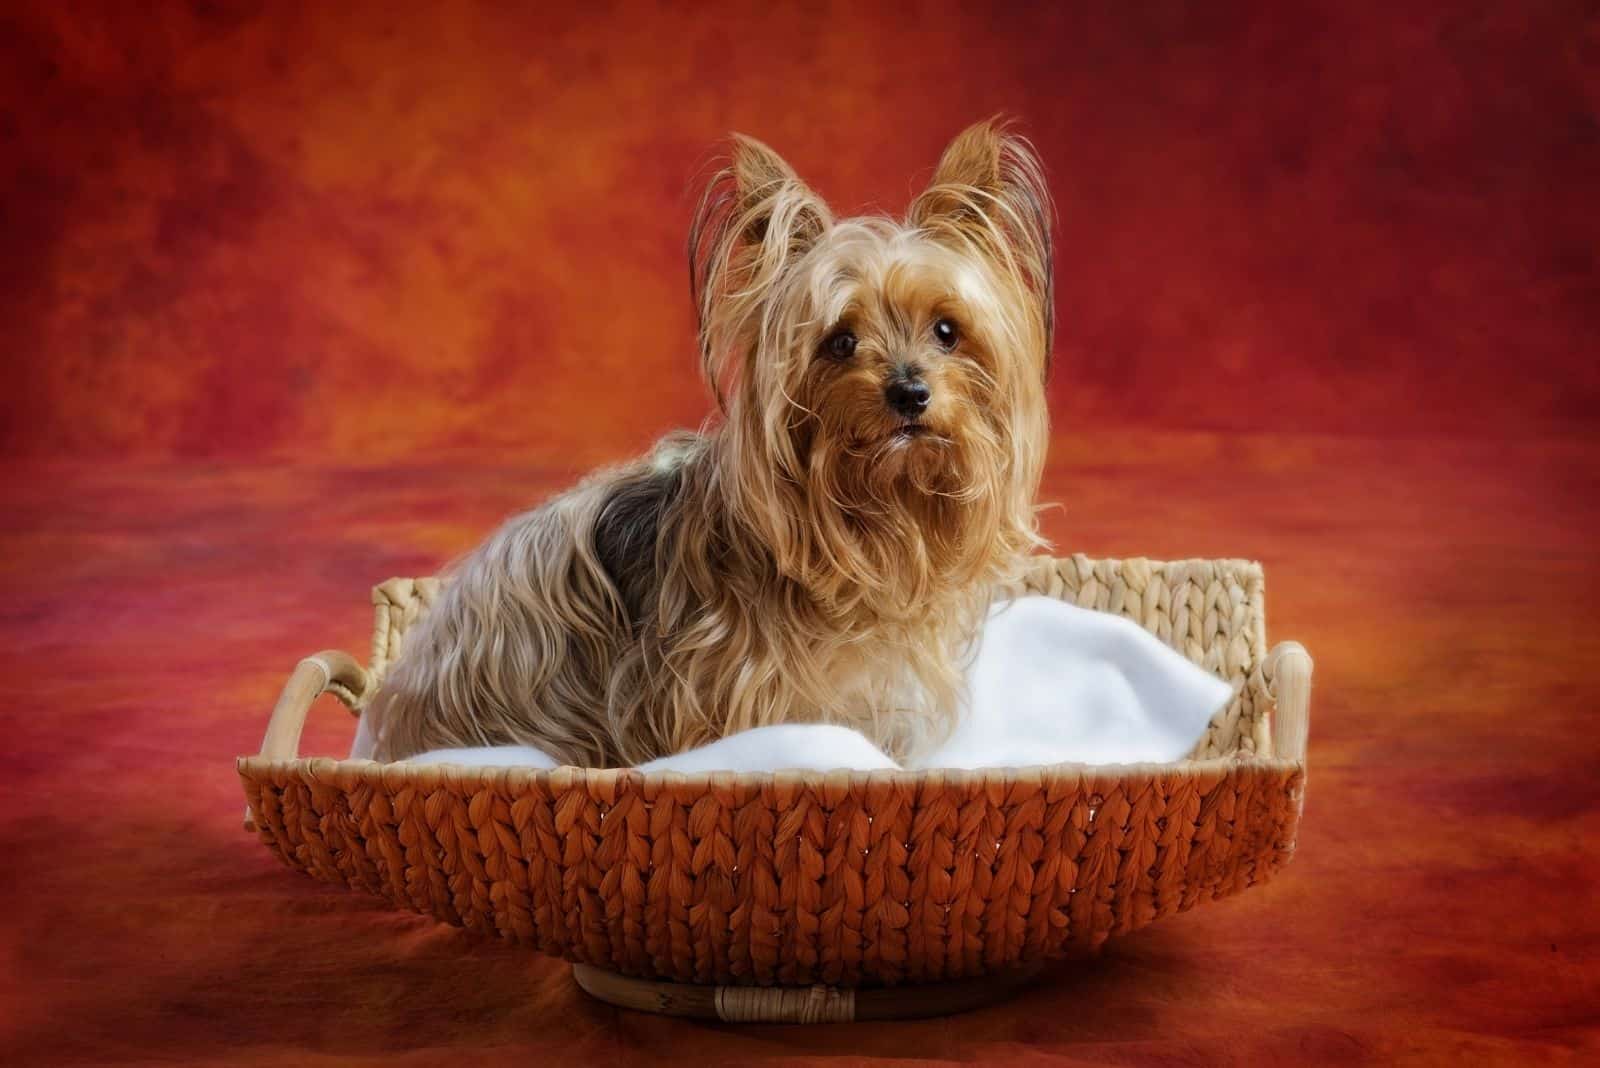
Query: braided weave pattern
x=398 y=604
x=800 y=878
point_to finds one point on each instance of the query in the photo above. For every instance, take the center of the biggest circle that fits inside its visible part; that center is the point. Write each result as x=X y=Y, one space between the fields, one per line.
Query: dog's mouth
x=905 y=438
x=910 y=430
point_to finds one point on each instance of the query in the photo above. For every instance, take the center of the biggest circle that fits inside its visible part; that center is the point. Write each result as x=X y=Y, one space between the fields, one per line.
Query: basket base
x=813 y=1004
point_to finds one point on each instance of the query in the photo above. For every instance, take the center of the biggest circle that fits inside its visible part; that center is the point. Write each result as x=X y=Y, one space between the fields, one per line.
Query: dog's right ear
x=772 y=201
x=755 y=219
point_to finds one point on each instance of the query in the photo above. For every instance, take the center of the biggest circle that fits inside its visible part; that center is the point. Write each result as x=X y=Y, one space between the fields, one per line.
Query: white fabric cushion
x=1049 y=683
x=1054 y=683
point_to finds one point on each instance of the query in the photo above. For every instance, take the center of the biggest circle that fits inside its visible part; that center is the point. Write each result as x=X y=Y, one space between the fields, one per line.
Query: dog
x=826 y=548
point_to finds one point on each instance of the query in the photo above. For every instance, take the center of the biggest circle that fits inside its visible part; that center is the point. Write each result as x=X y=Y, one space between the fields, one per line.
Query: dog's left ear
x=755 y=220
x=988 y=196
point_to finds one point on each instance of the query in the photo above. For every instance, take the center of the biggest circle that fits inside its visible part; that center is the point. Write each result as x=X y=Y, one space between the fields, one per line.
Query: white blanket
x=1051 y=683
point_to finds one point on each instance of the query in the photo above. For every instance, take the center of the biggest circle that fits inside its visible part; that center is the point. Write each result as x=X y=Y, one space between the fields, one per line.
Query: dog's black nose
x=908 y=396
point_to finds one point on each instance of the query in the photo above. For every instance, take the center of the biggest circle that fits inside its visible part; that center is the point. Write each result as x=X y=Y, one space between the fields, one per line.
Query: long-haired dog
x=827 y=551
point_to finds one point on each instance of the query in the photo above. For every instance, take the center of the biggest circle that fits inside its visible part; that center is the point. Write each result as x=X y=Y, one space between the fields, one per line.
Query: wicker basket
x=810 y=896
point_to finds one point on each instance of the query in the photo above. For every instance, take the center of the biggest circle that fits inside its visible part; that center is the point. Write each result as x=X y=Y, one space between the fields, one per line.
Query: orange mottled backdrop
x=298 y=296
x=362 y=231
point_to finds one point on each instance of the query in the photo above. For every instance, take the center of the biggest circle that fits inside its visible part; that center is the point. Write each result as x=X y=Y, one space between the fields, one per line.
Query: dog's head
x=883 y=380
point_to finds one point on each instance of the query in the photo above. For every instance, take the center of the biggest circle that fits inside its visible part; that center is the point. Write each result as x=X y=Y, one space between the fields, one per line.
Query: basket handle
x=329 y=671
x=1288 y=673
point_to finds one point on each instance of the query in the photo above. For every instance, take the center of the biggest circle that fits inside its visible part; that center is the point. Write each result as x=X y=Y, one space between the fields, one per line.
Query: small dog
x=827 y=552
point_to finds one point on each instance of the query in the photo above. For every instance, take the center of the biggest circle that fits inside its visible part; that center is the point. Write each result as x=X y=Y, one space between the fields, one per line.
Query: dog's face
x=883 y=380
x=899 y=381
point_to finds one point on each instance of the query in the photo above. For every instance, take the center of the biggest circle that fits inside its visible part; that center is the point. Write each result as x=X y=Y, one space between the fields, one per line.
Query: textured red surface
x=298 y=298
x=1440 y=907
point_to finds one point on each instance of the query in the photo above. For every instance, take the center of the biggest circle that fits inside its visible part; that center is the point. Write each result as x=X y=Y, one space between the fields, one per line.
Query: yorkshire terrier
x=826 y=552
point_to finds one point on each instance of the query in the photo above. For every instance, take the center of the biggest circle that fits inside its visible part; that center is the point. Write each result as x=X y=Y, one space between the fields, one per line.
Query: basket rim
x=399 y=773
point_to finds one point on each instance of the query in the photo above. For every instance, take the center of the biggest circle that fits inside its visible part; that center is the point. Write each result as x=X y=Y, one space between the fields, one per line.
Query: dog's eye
x=841 y=345
x=945 y=333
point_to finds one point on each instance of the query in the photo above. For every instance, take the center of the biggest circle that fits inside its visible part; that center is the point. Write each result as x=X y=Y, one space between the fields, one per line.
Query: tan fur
x=806 y=558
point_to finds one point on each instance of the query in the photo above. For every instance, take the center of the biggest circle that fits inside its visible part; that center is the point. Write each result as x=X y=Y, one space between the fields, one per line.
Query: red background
x=355 y=231
x=297 y=297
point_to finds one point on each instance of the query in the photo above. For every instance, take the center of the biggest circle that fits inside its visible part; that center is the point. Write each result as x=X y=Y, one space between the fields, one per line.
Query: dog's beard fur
x=815 y=556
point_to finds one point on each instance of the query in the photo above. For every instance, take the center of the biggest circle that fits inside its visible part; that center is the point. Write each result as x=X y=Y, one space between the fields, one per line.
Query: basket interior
x=1211 y=611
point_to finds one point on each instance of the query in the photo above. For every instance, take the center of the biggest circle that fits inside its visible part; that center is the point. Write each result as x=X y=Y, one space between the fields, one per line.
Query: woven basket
x=812 y=896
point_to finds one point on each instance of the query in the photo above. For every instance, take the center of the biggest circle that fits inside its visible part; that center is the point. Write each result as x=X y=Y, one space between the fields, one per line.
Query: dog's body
x=828 y=551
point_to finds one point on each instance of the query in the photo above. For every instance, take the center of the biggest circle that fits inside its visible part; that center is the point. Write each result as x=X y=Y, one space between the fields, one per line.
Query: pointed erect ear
x=989 y=197
x=754 y=221
x=772 y=198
